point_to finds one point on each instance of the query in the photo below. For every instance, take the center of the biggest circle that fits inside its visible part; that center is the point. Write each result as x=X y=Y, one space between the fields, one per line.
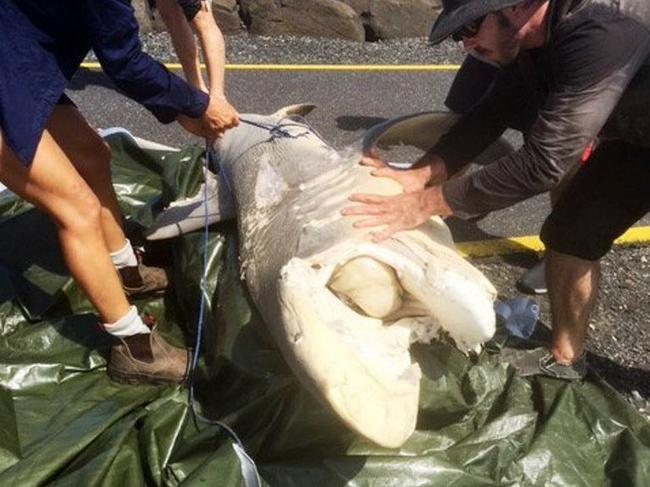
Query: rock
x=355 y=20
x=361 y=7
x=226 y=13
x=316 y=18
x=390 y=19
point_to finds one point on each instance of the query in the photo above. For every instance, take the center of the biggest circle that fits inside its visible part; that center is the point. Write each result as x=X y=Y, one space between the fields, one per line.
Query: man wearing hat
x=569 y=72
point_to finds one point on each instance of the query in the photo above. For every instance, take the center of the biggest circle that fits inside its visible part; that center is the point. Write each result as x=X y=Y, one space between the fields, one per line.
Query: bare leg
x=91 y=157
x=572 y=290
x=53 y=184
x=533 y=281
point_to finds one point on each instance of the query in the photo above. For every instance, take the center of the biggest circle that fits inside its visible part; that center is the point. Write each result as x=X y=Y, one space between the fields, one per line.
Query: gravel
x=251 y=49
x=248 y=49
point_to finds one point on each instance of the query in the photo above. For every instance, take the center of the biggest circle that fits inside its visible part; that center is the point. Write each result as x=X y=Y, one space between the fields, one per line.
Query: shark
x=342 y=309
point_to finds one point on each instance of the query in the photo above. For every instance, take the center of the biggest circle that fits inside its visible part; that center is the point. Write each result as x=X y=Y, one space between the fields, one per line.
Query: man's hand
x=427 y=171
x=218 y=117
x=400 y=212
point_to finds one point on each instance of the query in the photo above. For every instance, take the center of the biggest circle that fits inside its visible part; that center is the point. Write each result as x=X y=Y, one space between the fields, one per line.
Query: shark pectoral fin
x=301 y=109
x=421 y=130
x=187 y=215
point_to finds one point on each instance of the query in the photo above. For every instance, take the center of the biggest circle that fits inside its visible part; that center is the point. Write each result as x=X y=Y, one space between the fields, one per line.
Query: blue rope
x=279 y=131
x=248 y=467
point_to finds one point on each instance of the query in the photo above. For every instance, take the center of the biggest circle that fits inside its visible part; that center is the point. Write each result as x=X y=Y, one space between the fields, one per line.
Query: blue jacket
x=42 y=44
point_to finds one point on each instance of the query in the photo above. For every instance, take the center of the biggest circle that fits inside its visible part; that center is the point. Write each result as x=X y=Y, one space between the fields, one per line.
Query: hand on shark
x=425 y=172
x=400 y=212
x=422 y=197
x=218 y=117
x=223 y=113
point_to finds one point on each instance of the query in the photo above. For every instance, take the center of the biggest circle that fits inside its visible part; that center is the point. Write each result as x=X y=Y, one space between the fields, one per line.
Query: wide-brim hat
x=457 y=13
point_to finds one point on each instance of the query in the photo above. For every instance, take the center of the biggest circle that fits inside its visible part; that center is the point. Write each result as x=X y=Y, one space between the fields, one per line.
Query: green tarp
x=63 y=422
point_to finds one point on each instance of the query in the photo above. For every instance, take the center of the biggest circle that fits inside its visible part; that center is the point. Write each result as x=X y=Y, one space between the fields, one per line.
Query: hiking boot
x=147 y=358
x=540 y=361
x=141 y=280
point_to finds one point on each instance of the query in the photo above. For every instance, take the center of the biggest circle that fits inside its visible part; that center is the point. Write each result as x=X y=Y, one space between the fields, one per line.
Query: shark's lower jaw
x=352 y=312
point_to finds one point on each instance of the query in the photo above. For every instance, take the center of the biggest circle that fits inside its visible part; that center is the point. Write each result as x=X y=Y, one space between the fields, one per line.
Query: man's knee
x=566 y=238
x=561 y=186
x=562 y=260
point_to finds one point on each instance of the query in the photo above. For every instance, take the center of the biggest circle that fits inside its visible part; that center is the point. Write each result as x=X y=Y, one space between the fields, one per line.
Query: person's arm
x=214 y=53
x=468 y=138
x=183 y=41
x=592 y=67
x=180 y=14
x=113 y=31
x=213 y=48
x=422 y=197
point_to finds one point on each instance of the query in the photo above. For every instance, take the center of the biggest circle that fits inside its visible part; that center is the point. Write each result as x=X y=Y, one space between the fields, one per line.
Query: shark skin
x=343 y=309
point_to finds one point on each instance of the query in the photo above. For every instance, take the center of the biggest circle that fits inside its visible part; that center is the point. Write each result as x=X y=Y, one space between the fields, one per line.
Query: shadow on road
x=623 y=379
x=352 y=123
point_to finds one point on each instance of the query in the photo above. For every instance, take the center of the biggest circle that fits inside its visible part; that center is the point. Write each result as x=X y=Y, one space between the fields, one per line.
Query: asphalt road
x=349 y=103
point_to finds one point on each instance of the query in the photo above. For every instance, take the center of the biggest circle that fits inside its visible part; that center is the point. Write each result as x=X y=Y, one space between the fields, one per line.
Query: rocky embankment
x=355 y=20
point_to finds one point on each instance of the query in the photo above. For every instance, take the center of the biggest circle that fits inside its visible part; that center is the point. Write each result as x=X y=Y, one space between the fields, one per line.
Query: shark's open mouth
x=352 y=312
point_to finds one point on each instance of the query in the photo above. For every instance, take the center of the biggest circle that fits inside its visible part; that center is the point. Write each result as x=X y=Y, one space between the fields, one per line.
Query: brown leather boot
x=147 y=358
x=141 y=280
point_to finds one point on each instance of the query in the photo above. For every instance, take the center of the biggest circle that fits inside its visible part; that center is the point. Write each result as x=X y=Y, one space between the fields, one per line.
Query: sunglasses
x=469 y=30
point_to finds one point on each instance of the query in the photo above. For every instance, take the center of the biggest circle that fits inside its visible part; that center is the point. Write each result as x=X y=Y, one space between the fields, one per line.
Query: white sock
x=127 y=325
x=125 y=257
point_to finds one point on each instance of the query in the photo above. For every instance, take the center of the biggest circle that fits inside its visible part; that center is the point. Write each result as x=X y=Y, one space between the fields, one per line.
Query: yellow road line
x=513 y=245
x=318 y=67
x=344 y=67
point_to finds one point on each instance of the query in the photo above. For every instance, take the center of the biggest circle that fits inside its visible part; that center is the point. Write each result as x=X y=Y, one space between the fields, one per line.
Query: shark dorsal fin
x=301 y=109
x=421 y=130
